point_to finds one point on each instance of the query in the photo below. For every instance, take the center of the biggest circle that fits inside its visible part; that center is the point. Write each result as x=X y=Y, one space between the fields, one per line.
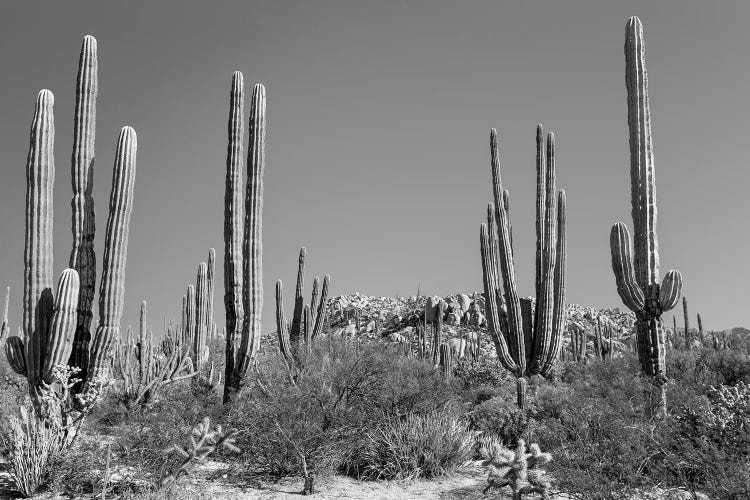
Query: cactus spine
x=243 y=282
x=637 y=274
x=527 y=343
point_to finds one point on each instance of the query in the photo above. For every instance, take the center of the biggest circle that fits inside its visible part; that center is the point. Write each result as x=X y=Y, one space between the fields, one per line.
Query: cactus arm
x=16 y=354
x=82 y=255
x=622 y=265
x=490 y=304
x=314 y=300
x=112 y=287
x=541 y=192
x=671 y=288
x=322 y=307
x=505 y=257
x=306 y=327
x=5 y=328
x=201 y=313
x=299 y=299
x=281 y=327
x=641 y=157
x=253 y=239
x=210 y=290
x=63 y=325
x=506 y=204
x=40 y=178
x=558 y=297
x=233 y=229
x=542 y=330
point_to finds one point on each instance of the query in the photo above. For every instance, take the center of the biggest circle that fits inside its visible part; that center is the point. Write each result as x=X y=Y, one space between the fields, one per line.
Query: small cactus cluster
x=517 y=469
x=198 y=327
x=56 y=327
x=578 y=341
x=637 y=270
x=203 y=441
x=145 y=368
x=243 y=235
x=308 y=319
x=527 y=339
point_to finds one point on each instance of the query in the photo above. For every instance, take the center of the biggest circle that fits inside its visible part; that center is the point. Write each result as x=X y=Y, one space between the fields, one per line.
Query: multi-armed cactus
x=56 y=330
x=527 y=343
x=309 y=318
x=243 y=242
x=637 y=272
x=146 y=368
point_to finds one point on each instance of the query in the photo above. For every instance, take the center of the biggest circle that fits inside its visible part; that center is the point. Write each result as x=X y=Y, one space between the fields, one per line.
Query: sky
x=377 y=145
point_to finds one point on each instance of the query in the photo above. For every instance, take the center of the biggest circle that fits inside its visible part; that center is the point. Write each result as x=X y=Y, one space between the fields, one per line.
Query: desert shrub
x=339 y=391
x=32 y=445
x=503 y=419
x=427 y=446
x=482 y=372
x=704 y=368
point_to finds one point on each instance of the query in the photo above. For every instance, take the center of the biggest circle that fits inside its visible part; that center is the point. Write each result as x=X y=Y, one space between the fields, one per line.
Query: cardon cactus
x=686 y=317
x=243 y=242
x=309 y=318
x=56 y=329
x=527 y=342
x=637 y=271
x=5 y=327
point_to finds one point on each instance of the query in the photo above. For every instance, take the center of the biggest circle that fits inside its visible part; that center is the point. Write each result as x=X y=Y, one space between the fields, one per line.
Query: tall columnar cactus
x=243 y=281
x=637 y=273
x=82 y=255
x=210 y=325
x=299 y=299
x=5 y=327
x=686 y=317
x=320 y=316
x=527 y=344
x=700 y=327
x=201 y=318
x=50 y=324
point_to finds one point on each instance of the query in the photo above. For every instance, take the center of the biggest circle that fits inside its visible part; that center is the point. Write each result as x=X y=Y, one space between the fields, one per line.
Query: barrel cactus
x=637 y=270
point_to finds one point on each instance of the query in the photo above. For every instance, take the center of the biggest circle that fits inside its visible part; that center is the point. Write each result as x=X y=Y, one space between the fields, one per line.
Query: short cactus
x=517 y=469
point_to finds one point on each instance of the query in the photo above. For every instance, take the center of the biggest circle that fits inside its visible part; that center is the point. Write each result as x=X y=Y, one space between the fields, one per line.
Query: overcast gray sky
x=377 y=143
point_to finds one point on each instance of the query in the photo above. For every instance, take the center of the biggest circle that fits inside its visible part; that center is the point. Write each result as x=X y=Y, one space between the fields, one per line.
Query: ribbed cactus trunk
x=700 y=328
x=321 y=315
x=299 y=300
x=201 y=317
x=5 y=328
x=233 y=232
x=210 y=325
x=112 y=286
x=251 y=271
x=527 y=340
x=686 y=317
x=282 y=331
x=637 y=273
x=83 y=256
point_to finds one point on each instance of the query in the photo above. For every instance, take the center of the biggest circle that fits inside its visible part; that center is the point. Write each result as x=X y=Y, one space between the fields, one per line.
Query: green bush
x=426 y=446
x=503 y=419
x=340 y=391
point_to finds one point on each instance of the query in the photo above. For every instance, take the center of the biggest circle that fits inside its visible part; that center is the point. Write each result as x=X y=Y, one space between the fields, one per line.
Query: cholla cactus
x=203 y=442
x=517 y=469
